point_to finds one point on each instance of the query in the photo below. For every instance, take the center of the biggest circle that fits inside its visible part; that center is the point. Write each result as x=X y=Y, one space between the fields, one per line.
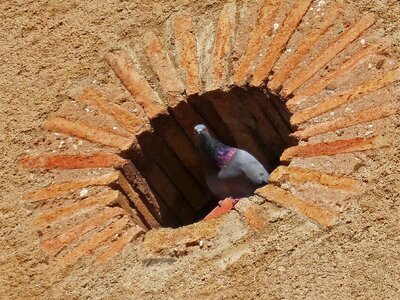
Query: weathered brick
x=344 y=68
x=57 y=243
x=309 y=41
x=135 y=83
x=78 y=161
x=225 y=207
x=330 y=148
x=185 y=43
x=70 y=209
x=168 y=238
x=284 y=174
x=249 y=211
x=118 y=245
x=131 y=122
x=327 y=55
x=219 y=67
x=336 y=101
x=63 y=188
x=164 y=69
x=279 y=42
x=321 y=215
x=256 y=41
x=87 y=132
x=368 y=115
x=96 y=241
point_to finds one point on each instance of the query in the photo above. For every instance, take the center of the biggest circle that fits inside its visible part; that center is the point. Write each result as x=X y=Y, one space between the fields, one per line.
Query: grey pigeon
x=229 y=171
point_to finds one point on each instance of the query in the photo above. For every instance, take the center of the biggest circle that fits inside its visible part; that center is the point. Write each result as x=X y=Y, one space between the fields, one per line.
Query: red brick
x=336 y=101
x=118 y=245
x=329 y=148
x=284 y=174
x=135 y=83
x=131 y=122
x=165 y=71
x=321 y=215
x=96 y=241
x=279 y=42
x=364 y=116
x=327 y=55
x=222 y=50
x=185 y=43
x=78 y=161
x=225 y=207
x=59 y=242
x=256 y=41
x=87 y=132
x=309 y=41
x=251 y=214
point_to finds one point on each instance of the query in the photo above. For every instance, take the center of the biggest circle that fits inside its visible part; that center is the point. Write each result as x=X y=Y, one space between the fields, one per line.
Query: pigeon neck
x=217 y=153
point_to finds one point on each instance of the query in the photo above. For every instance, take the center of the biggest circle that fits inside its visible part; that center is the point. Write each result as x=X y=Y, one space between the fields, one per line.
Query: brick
x=118 y=245
x=284 y=174
x=59 y=242
x=87 y=132
x=78 y=161
x=96 y=241
x=225 y=207
x=329 y=148
x=327 y=55
x=251 y=214
x=185 y=43
x=164 y=69
x=309 y=41
x=256 y=41
x=364 y=116
x=124 y=68
x=63 y=188
x=168 y=238
x=279 y=42
x=51 y=216
x=129 y=121
x=219 y=67
x=321 y=215
x=336 y=101
x=357 y=59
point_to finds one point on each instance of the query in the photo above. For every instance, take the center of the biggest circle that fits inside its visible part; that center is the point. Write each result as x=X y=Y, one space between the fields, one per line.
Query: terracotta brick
x=308 y=42
x=256 y=41
x=250 y=212
x=118 y=245
x=185 y=43
x=87 y=132
x=225 y=207
x=357 y=59
x=78 y=161
x=124 y=68
x=364 y=116
x=321 y=215
x=329 y=148
x=327 y=55
x=168 y=238
x=219 y=67
x=131 y=122
x=59 y=242
x=96 y=241
x=63 y=188
x=70 y=209
x=284 y=174
x=336 y=101
x=279 y=42
x=164 y=69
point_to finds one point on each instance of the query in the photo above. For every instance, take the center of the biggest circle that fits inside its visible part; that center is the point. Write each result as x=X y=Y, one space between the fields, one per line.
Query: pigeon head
x=198 y=129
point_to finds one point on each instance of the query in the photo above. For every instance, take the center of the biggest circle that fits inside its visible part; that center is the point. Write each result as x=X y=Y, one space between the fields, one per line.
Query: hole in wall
x=248 y=118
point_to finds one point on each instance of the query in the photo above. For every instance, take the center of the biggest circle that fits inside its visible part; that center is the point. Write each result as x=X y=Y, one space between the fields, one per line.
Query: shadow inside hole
x=168 y=159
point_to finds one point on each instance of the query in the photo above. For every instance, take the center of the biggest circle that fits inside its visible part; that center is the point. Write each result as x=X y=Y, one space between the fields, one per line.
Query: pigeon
x=229 y=172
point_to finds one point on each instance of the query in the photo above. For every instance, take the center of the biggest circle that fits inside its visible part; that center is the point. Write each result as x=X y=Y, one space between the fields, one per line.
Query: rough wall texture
x=49 y=46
